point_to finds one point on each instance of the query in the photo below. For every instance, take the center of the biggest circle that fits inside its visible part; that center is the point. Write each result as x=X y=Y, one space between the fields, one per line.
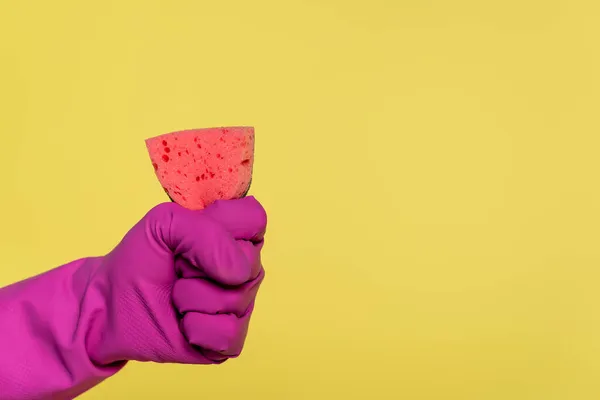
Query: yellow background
x=430 y=168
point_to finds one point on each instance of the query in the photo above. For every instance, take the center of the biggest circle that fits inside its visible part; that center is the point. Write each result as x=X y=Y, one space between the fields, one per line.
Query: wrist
x=47 y=322
x=101 y=339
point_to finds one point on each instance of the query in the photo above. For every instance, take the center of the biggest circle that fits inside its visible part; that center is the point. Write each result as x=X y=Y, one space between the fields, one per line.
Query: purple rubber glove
x=179 y=288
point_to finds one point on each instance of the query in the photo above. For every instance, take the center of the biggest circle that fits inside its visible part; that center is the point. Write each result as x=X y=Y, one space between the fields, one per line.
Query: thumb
x=203 y=242
x=244 y=218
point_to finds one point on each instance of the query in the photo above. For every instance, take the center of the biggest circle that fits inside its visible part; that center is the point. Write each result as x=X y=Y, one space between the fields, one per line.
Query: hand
x=180 y=287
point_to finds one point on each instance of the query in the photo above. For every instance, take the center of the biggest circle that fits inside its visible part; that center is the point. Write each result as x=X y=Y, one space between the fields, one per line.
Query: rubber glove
x=179 y=288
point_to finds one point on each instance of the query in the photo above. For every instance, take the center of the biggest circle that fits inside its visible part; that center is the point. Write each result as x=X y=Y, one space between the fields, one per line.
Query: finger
x=203 y=242
x=252 y=252
x=186 y=270
x=224 y=334
x=253 y=255
x=244 y=218
x=200 y=295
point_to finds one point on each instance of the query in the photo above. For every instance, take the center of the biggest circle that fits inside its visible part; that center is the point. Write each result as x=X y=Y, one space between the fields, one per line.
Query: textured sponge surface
x=199 y=166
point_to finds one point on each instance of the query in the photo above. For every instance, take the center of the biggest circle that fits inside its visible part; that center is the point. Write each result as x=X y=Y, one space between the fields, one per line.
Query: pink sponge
x=198 y=166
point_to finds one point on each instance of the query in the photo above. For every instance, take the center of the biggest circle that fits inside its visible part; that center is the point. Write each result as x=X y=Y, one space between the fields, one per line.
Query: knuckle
x=259 y=211
x=232 y=301
x=233 y=335
x=161 y=210
x=261 y=275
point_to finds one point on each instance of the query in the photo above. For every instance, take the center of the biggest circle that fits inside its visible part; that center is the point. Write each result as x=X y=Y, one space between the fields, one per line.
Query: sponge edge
x=199 y=166
x=243 y=195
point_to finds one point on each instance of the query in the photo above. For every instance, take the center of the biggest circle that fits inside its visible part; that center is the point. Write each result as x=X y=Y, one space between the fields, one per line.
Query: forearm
x=47 y=325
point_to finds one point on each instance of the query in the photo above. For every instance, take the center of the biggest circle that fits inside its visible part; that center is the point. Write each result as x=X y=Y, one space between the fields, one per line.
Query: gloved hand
x=179 y=288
